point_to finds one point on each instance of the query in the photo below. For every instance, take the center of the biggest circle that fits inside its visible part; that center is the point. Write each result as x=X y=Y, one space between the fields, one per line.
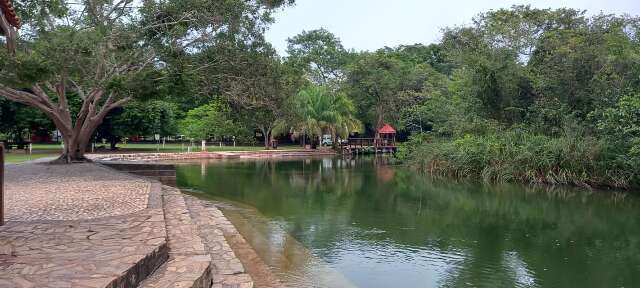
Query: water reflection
x=384 y=226
x=293 y=264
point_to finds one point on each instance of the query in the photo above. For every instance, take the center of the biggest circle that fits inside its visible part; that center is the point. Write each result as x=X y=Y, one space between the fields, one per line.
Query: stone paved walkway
x=79 y=225
x=95 y=253
x=85 y=225
x=70 y=192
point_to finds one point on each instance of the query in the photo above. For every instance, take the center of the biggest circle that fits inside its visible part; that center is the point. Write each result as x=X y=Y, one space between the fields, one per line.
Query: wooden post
x=1 y=184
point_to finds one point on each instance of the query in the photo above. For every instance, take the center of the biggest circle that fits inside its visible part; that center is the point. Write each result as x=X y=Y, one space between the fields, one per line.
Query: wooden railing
x=360 y=142
x=356 y=143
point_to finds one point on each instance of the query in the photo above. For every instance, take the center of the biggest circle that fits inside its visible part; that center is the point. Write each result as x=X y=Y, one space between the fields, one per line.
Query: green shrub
x=522 y=156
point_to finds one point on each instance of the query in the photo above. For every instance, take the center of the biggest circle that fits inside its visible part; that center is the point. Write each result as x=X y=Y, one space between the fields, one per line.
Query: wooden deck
x=368 y=145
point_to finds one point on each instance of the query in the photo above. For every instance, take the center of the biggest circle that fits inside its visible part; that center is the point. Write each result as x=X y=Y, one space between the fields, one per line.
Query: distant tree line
x=531 y=95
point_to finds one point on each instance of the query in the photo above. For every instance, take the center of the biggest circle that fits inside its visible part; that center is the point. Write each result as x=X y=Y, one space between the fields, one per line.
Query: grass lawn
x=47 y=147
x=52 y=150
x=20 y=156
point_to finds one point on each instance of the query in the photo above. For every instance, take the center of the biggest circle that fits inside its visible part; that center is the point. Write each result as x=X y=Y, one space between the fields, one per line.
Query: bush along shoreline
x=525 y=157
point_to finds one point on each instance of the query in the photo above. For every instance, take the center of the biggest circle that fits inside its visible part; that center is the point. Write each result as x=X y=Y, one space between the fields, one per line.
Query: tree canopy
x=207 y=121
x=100 y=51
x=319 y=54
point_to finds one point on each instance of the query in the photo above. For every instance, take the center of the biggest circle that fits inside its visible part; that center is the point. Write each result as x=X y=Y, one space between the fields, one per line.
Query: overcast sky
x=372 y=24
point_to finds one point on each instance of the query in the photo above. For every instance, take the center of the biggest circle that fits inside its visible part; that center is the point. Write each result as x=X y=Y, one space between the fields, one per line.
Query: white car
x=326 y=140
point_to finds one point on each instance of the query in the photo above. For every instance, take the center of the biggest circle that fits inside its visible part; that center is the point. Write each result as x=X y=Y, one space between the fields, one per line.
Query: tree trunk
x=113 y=143
x=266 y=132
x=334 y=139
x=380 y=120
x=75 y=145
x=10 y=33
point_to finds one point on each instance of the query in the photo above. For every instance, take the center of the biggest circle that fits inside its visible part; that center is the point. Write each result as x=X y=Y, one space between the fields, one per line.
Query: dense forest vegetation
x=521 y=94
x=541 y=96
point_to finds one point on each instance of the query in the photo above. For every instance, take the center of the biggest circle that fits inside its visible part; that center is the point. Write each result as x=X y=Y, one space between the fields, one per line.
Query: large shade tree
x=383 y=84
x=261 y=90
x=88 y=56
x=319 y=54
x=91 y=52
x=207 y=121
x=139 y=118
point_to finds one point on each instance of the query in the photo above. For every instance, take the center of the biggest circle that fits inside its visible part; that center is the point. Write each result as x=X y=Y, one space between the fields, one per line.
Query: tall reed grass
x=521 y=156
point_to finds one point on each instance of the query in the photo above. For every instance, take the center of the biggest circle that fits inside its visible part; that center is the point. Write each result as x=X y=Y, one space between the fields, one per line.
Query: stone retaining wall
x=162 y=172
x=208 y=155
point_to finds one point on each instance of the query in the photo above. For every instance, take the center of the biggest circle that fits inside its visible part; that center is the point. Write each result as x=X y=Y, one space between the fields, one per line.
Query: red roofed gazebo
x=386 y=129
x=384 y=142
x=386 y=137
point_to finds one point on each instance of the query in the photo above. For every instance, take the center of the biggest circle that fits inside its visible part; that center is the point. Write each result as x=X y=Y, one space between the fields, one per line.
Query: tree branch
x=36 y=100
x=63 y=102
x=42 y=96
x=110 y=105
x=78 y=90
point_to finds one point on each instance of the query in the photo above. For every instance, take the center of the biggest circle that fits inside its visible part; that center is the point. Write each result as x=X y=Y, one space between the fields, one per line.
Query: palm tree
x=320 y=110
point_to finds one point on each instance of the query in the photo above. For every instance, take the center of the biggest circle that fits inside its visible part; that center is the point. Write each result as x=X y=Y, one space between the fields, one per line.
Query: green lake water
x=362 y=223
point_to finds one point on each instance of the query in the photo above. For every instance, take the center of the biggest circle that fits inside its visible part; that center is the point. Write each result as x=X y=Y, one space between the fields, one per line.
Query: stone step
x=189 y=264
x=182 y=272
x=133 y=166
x=164 y=173
x=154 y=173
x=113 y=252
x=229 y=268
